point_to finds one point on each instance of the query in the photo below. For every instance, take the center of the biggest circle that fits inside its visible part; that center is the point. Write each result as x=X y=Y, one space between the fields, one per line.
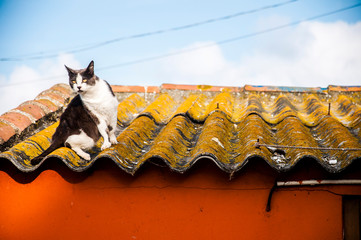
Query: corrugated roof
x=181 y=124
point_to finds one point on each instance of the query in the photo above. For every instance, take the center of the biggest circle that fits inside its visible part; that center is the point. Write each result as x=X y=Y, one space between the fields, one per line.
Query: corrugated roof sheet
x=181 y=124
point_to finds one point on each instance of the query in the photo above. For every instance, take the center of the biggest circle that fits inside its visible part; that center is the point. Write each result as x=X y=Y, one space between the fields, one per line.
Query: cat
x=90 y=115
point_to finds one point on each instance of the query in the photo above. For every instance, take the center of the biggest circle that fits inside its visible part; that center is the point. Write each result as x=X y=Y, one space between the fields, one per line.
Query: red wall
x=107 y=203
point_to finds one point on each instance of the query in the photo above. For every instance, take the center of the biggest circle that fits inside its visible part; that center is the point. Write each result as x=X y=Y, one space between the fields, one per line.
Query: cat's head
x=82 y=80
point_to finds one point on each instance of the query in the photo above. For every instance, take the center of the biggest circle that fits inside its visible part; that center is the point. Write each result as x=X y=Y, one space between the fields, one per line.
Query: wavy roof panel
x=181 y=124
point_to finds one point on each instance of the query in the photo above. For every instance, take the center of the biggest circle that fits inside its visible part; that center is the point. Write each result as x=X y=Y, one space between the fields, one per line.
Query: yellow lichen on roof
x=332 y=133
x=181 y=127
x=247 y=133
x=174 y=142
x=69 y=156
x=213 y=138
x=132 y=143
x=23 y=152
x=222 y=102
x=312 y=111
x=129 y=107
x=161 y=109
x=187 y=104
x=346 y=111
x=291 y=132
x=198 y=110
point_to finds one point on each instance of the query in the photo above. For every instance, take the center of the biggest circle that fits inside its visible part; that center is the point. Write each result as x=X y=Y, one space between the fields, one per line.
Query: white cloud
x=25 y=82
x=311 y=54
x=202 y=66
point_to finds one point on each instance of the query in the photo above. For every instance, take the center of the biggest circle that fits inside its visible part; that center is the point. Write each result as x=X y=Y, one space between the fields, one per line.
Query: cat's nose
x=79 y=87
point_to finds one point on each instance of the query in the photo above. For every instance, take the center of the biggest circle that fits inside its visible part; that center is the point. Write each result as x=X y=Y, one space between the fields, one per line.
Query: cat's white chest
x=106 y=108
x=101 y=102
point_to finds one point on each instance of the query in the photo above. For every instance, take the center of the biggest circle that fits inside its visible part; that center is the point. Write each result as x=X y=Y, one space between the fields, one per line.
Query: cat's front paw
x=86 y=157
x=105 y=145
x=113 y=140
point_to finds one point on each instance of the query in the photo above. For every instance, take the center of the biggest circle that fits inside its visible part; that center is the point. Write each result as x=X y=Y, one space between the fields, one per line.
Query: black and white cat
x=90 y=115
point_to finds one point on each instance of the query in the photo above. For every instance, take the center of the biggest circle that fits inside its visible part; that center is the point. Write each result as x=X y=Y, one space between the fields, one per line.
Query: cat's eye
x=84 y=80
x=73 y=81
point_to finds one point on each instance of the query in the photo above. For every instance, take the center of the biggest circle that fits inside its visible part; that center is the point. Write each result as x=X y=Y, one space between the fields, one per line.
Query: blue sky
x=319 y=52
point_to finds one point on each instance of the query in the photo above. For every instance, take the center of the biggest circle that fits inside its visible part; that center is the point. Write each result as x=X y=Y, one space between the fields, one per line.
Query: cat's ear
x=90 y=68
x=71 y=72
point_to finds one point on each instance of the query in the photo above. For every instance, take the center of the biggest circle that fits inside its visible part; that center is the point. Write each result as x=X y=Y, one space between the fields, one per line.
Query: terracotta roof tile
x=135 y=89
x=6 y=132
x=281 y=89
x=46 y=104
x=34 y=110
x=181 y=124
x=20 y=121
x=32 y=113
x=203 y=88
x=344 y=88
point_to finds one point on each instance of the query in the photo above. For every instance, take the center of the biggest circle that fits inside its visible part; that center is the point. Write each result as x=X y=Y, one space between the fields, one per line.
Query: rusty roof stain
x=181 y=124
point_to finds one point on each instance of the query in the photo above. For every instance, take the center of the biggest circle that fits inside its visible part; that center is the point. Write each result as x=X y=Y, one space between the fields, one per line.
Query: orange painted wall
x=106 y=203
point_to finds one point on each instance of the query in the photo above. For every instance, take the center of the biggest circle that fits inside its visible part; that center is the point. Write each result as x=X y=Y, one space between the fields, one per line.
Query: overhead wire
x=53 y=54
x=229 y=40
x=222 y=42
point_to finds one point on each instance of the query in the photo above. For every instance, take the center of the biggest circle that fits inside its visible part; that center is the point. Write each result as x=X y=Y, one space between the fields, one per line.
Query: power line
x=222 y=42
x=45 y=55
x=226 y=41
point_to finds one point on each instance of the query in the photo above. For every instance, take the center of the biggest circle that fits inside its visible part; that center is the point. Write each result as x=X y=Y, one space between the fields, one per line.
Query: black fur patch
x=76 y=117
